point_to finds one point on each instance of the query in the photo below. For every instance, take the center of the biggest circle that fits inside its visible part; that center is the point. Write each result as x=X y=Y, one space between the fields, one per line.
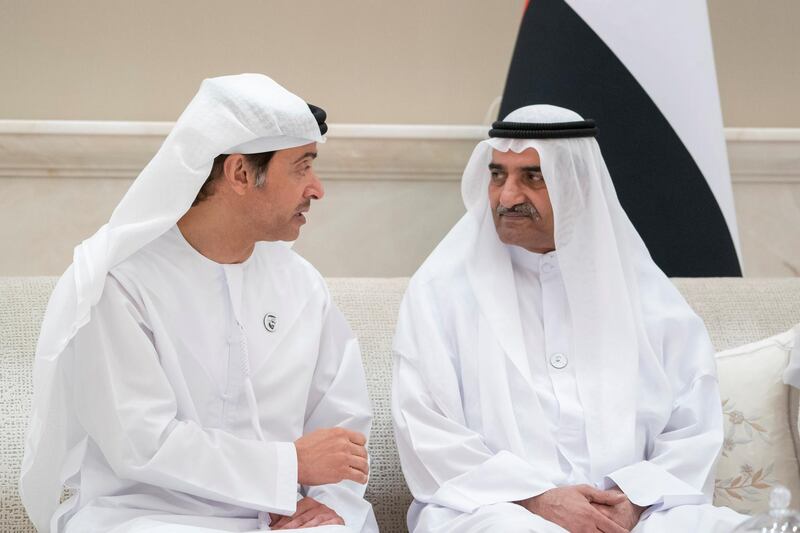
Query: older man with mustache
x=548 y=377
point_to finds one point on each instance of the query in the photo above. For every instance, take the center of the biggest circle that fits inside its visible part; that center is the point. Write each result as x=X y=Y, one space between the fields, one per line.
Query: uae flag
x=644 y=71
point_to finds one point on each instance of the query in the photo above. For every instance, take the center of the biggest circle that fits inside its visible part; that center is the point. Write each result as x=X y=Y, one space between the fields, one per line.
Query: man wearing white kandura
x=548 y=376
x=192 y=372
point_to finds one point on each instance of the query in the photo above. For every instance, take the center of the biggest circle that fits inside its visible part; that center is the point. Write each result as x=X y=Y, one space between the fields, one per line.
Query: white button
x=558 y=360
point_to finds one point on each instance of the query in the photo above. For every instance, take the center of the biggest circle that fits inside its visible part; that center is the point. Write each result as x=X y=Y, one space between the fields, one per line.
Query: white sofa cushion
x=758 y=451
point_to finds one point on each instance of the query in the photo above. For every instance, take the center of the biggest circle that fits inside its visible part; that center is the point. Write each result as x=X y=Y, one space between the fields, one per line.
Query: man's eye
x=535 y=176
x=496 y=176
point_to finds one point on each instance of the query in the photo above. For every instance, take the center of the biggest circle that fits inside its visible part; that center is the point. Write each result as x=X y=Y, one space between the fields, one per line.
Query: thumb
x=605 y=497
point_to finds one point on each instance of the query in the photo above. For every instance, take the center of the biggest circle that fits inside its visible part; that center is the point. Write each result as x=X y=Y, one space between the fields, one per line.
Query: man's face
x=520 y=204
x=277 y=208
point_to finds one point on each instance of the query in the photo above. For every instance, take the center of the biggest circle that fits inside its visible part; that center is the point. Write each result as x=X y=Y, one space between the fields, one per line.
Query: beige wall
x=380 y=61
x=389 y=200
x=757 y=51
x=384 y=61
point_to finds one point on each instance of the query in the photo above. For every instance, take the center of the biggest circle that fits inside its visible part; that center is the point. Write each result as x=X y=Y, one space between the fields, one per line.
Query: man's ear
x=235 y=172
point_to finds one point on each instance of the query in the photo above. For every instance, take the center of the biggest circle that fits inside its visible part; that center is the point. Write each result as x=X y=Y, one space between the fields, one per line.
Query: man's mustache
x=526 y=209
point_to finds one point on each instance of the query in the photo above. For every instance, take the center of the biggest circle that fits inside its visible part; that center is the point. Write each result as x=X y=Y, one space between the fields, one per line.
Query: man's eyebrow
x=312 y=155
x=495 y=166
x=532 y=168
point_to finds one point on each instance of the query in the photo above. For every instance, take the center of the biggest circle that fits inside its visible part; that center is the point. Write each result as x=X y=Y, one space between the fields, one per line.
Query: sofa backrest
x=736 y=311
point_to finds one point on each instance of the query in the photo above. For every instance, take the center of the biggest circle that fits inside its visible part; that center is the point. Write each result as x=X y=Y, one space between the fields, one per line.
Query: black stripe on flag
x=560 y=60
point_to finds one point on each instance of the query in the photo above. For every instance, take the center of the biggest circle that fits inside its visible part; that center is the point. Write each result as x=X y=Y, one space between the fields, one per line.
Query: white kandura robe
x=460 y=469
x=159 y=384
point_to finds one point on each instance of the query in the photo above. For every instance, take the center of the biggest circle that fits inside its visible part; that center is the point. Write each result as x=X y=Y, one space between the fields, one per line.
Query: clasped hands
x=332 y=455
x=586 y=509
x=324 y=456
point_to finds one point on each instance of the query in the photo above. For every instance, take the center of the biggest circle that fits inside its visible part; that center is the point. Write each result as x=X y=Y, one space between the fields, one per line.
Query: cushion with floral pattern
x=758 y=450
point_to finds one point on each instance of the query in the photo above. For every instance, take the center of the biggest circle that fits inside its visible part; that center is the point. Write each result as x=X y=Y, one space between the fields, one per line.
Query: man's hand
x=309 y=513
x=331 y=455
x=625 y=513
x=572 y=509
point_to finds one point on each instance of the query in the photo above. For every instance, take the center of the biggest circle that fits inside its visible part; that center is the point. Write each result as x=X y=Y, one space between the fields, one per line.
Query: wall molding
x=408 y=152
x=764 y=155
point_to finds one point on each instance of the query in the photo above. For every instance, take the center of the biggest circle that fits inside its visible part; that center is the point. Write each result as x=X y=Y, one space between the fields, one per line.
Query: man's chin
x=291 y=234
x=515 y=239
x=508 y=237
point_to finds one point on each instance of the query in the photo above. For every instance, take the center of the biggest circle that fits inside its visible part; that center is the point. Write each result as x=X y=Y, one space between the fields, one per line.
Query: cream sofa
x=736 y=311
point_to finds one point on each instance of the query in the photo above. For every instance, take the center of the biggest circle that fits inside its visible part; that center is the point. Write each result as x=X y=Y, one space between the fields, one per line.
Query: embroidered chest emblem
x=270 y=322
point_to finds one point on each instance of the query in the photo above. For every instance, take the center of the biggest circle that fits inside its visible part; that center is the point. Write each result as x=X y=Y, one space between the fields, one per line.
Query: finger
x=356 y=475
x=321 y=519
x=335 y=521
x=357 y=449
x=301 y=519
x=605 y=509
x=282 y=522
x=279 y=523
x=606 y=497
x=279 y=520
x=355 y=437
x=305 y=504
x=302 y=506
x=360 y=464
x=606 y=525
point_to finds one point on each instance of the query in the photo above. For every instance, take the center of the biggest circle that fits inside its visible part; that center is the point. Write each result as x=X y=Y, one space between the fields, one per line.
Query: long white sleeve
x=680 y=467
x=444 y=461
x=127 y=406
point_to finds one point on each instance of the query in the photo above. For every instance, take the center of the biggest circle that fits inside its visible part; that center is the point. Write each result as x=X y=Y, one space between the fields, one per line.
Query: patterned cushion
x=758 y=451
x=736 y=311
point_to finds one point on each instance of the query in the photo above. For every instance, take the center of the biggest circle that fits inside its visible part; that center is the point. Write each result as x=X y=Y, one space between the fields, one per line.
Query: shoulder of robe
x=139 y=274
x=146 y=263
x=676 y=333
x=439 y=271
x=661 y=300
x=443 y=287
x=125 y=282
x=119 y=290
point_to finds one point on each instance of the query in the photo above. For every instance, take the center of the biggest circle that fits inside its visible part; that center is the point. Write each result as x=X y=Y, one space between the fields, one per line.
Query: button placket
x=554 y=334
x=557 y=335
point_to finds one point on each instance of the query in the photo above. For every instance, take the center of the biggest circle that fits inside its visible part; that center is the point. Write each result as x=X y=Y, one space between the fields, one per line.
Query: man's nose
x=315 y=190
x=511 y=194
